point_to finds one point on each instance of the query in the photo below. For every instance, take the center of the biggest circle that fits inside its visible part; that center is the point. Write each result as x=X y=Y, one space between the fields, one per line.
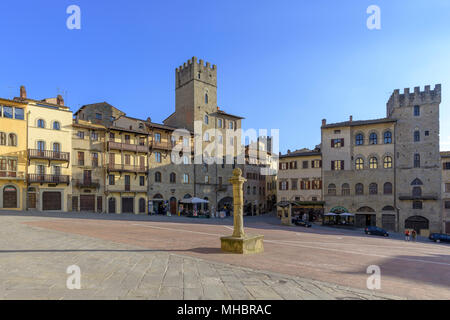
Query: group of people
x=410 y=235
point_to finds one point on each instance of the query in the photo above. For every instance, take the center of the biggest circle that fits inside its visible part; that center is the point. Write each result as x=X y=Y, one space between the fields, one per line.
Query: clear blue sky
x=281 y=64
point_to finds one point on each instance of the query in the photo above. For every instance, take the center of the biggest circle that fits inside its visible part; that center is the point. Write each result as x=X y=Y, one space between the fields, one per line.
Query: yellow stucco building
x=13 y=155
x=49 y=147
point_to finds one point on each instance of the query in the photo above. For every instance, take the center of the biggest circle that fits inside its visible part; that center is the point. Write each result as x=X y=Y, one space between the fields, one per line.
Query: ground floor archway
x=417 y=223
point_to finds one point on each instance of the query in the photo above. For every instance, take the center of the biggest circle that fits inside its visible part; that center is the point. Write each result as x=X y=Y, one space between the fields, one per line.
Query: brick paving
x=33 y=263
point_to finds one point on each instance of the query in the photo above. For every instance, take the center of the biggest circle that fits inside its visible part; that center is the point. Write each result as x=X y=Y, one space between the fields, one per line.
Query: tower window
x=206 y=119
x=198 y=75
x=416 y=111
x=416 y=136
x=206 y=98
x=417 y=160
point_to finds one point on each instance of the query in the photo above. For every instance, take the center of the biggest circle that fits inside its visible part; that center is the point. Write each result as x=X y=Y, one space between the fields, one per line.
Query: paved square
x=141 y=257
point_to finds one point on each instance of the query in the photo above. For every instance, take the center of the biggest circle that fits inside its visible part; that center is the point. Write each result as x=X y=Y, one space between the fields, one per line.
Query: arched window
x=417 y=182
x=387 y=162
x=158 y=176
x=416 y=111
x=12 y=140
x=185 y=178
x=373 y=188
x=206 y=119
x=56 y=125
x=359 y=164
x=332 y=189
x=373 y=138
x=173 y=177
x=387 y=137
x=206 y=98
x=387 y=188
x=359 y=189
x=359 y=140
x=373 y=163
x=416 y=136
x=2 y=139
x=417 y=192
x=41 y=123
x=345 y=189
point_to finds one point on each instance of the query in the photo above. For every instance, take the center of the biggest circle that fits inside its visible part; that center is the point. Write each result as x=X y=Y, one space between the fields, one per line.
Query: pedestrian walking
x=406 y=235
x=414 y=235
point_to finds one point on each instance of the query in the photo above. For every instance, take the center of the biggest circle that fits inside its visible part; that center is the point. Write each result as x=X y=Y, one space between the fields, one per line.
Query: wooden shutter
x=342 y=142
x=332 y=143
x=280 y=186
x=342 y=165
x=332 y=165
x=295 y=163
x=287 y=185
x=280 y=166
x=320 y=164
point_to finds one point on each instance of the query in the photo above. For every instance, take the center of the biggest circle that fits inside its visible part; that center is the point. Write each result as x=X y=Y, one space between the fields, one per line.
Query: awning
x=194 y=200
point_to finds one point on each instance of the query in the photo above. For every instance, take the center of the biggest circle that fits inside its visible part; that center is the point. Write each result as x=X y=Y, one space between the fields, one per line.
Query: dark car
x=376 y=231
x=301 y=223
x=439 y=237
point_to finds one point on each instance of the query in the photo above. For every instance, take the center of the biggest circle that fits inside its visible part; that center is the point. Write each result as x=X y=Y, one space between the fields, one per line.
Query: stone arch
x=365 y=209
x=10 y=196
x=388 y=208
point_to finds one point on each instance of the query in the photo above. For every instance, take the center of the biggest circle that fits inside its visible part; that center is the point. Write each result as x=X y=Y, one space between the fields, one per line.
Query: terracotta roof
x=358 y=123
x=228 y=114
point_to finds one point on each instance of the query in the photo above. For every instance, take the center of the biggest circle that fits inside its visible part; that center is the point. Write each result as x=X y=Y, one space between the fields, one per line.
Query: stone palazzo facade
x=388 y=171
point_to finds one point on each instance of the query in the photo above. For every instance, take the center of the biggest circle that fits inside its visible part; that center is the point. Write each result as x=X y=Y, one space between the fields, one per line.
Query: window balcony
x=48 y=178
x=12 y=175
x=48 y=155
x=87 y=183
x=127 y=147
x=127 y=168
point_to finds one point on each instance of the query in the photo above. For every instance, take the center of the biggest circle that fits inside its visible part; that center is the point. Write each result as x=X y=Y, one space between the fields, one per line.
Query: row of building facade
x=98 y=159
x=386 y=172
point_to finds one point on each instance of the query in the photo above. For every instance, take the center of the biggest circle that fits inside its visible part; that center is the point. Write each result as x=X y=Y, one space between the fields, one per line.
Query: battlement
x=193 y=62
x=408 y=98
x=198 y=70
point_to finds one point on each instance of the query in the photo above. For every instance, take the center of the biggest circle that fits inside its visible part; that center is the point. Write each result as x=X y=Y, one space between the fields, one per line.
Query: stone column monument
x=239 y=242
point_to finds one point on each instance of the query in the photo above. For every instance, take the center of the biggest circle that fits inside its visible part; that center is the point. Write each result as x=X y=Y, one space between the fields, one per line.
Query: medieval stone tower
x=417 y=170
x=195 y=93
x=196 y=104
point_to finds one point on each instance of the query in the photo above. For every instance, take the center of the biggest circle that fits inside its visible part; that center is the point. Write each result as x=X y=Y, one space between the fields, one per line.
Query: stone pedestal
x=246 y=245
x=239 y=242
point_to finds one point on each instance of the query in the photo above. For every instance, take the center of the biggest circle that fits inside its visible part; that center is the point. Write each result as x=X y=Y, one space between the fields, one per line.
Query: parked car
x=301 y=223
x=376 y=231
x=438 y=237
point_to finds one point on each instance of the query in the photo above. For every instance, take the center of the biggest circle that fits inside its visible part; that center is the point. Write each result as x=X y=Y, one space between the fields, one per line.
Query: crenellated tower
x=195 y=93
x=418 y=172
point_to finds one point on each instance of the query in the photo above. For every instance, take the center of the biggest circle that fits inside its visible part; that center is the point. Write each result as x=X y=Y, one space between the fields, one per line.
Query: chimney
x=289 y=151
x=23 y=92
x=324 y=122
x=59 y=100
x=351 y=118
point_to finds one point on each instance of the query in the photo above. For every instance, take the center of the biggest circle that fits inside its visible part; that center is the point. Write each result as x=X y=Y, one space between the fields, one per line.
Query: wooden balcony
x=430 y=196
x=162 y=145
x=127 y=168
x=48 y=155
x=127 y=147
x=127 y=189
x=48 y=178
x=12 y=175
x=86 y=183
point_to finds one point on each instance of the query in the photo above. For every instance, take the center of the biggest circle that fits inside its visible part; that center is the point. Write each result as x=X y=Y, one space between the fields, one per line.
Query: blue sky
x=281 y=64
